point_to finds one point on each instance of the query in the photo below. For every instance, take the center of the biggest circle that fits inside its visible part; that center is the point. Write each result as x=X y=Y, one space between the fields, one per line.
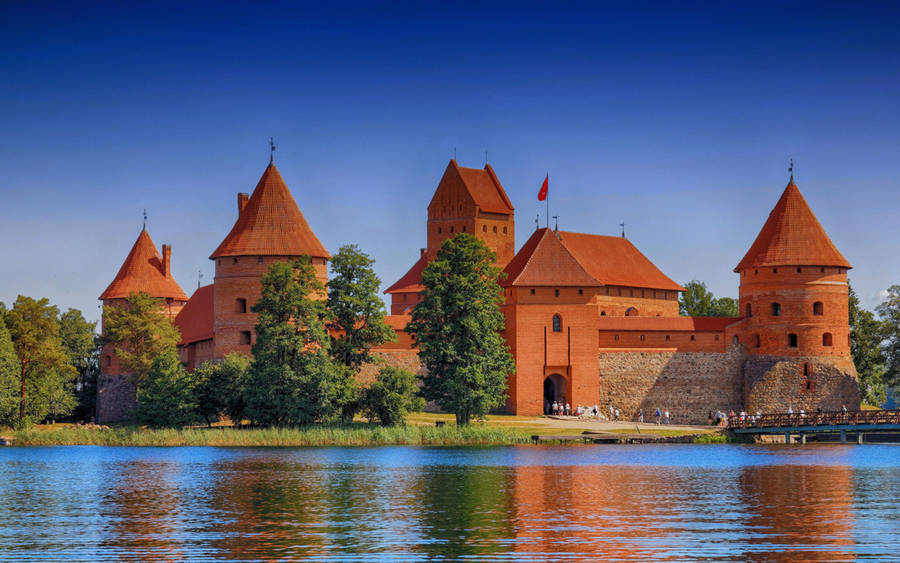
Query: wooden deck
x=856 y=423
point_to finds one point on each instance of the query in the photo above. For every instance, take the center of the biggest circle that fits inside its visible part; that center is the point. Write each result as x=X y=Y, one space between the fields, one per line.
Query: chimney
x=242 y=202
x=167 y=261
x=422 y=251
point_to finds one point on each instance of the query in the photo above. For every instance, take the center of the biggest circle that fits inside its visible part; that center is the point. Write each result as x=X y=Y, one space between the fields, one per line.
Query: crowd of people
x=560 y=408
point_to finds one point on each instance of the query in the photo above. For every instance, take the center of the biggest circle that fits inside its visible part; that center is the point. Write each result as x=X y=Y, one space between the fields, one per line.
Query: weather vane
x=622 y=224
x=271 y=150
x=145 y=219
x=556 y=223
x=791 y=169
x=537 y=222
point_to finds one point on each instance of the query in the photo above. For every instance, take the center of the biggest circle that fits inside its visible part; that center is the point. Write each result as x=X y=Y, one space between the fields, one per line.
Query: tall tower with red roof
x=269 y=228
x=144 y=270
x=795 y=325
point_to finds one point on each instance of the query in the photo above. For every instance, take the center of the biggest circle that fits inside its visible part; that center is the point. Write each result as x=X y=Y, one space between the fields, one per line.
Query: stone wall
x=116 y=398
x=689 y=384
x=774 y=383
x=404 y=359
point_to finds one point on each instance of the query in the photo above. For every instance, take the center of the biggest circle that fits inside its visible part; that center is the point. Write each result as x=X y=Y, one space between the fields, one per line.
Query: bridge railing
x=785 y=420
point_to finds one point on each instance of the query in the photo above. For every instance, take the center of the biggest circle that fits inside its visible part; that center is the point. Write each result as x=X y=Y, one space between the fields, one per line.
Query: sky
x=676 y=118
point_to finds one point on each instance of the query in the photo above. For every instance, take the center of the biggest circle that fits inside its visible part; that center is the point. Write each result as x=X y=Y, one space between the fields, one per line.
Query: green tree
x=165 y=397
x=9 y=377
x=392 y=396
x=457 y=329
x=82 y=348
x=698 y=301
x=45 y=377
x=889 y=311
x=140 y=332
x=292 y=378
x=866 y=337
x=219 y=388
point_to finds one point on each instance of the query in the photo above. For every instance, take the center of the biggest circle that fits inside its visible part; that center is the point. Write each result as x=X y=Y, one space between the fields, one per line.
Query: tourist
x=555 y=408
x=611 y=412
x=802 y=414
x=790 y=410
x=596 y=410
x=546 y=406
x=617 y=415
x=667 y=416
x=658 y=415
x=641 y=416
x=568 y=410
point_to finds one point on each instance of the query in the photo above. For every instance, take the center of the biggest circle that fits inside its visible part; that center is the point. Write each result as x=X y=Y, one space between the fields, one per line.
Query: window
x=235 y=260
x=108 y=361
x=749 y=310
x=735 y=340
x=792 y=340
x=755 y=272
x=827 y=339
x=532 y=291
x=668 y=338
x=799 y=270
x=602 y=313
x=692 y=338
x=774 y=270
x=440 y=230
x=717 y=338
x=805 y=370
x=631 y=312
x=240 y=305
x=776 y=309
x=818 y=308
x=557 y=323
x=556 y=292
x=617 y=338
x=504 y=230
x=245 y=337
x=756 y=341
x=495 y=229
x=580 y=292
x=464 y=228
x=259 y=260
x=451 y=229
x=642 y=338
x=822 y=270
x=484 y=228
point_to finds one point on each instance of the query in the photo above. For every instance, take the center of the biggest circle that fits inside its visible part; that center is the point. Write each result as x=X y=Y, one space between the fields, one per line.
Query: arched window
x=557 y=323
x=756 y=341
x=827 y=339
x=240 y=305
x=631 y=312
x=495 y=229
x=749 y=309
x=484 y=228
x=735 y=340
x=792 y=340
x=602 y=313
x=805 y=370
x=776 y=309
x=818 y=308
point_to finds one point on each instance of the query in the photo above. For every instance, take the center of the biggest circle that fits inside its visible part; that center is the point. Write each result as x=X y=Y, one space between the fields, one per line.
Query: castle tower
x=795 y=326
x=467 y=200
x=144 y=270
x=269 y=228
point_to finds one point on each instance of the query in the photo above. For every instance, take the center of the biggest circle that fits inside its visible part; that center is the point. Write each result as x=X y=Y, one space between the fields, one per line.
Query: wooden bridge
x=803 y=424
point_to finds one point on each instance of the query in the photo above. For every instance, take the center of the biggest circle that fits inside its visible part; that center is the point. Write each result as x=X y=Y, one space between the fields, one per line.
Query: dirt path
x=605 y=425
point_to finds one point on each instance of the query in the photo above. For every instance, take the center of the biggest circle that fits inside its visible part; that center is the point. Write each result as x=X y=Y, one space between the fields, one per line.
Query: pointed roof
x=411 y=282
x=195 y=320
x=543 y=261
x=143 y=270
x=482 y=185
x=271 y=224
x=792 y=236
x=615 y=261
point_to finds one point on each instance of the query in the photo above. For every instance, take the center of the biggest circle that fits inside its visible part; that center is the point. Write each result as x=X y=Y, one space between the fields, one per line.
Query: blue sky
x=676 y=118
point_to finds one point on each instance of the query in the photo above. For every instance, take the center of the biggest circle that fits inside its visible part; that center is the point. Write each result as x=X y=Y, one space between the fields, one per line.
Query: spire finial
x=791 y=170
x=622 y=224
x=271 y=150
x=145 y=220
x=556 y=223
x=199 y=278
x=537 y=222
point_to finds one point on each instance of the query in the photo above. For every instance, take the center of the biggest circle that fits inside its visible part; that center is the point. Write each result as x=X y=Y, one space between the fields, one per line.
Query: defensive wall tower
x=269 y=228
x=795 y=326
x=144 y=270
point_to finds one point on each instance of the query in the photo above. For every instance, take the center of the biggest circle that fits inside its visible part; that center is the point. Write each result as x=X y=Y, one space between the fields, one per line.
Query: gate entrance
x=554 y=390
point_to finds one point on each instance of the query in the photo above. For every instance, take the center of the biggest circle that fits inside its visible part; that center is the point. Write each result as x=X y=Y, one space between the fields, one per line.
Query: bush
x=392 y=396
x=219 y=388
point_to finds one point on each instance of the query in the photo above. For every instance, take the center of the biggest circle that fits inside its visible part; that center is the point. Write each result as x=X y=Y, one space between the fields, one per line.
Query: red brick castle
x=589 y=319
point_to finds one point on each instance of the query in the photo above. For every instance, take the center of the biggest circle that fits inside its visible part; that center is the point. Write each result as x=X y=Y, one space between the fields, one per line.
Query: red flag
x=542 y=195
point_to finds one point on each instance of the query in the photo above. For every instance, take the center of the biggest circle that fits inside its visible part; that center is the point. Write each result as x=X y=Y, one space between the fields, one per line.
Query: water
x=709 y=503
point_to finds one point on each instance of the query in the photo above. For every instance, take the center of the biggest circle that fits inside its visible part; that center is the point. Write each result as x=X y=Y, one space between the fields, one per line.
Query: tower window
x=668 y=337
x=735 y=340
x=822 y=270
x=245 y=337
x=602 y=313
x=464 y=228
x=799 y=270
x=774 y=270
x=451 y=229
x=495 y=229
x=755 y=272
x=440 y=230
x=818 y=308
x=580 y=292
x=259 y=260
x=617 y=338
x=631 y=312
x=749 y=309
x=556 y=292
x=756 y=341
x=240 y=305
x=532 y=291
x=792 y=340
x=692 y=338
x=108 y=361
x=557 y=323
x=776 y=309
x=504 y=230
x=827 y=339
x=235 y=260
x=642 y=338
x=484 y=228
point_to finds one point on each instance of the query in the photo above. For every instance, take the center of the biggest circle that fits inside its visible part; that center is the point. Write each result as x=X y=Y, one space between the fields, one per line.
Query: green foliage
x=457 y=329
x=165 y=399
x=82 y=348
x=866 y=336
x=392 y=396
x=140 y=332
x=292 y=378
x=219 y=388
x=46 y=379
x=357 y=313
x=697 y=301
x=9 y=378
x=889 y=311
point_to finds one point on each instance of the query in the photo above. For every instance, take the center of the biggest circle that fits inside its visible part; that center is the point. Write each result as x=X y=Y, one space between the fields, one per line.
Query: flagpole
x=548 y=199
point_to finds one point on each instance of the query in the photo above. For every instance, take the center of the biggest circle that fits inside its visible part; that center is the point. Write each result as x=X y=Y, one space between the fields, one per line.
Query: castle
x=589 y=319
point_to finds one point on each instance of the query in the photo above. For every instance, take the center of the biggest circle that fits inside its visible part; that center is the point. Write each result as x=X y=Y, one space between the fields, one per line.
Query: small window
x=464 y=228
x=805 y=370
x=749 y=309
x=631 y=312
x=668 y=337
x=451 y=229
x=617 y=337
x=532 y=291
x=822 y=270
x=108 y=361
x=580 y=292
x=484 y=228
x=241 y=305
x=735 y=340
x=774 y=270
x=717 y=338
x=792 y=340
x=756 y=341
x=827 y=339
x=692 y=338
x=818 y=308
x=799 y=270
x=495 y=229
x=440 y=230
x=602 y=313
x=259 y=260
x=642 y=338
x=504 y=230
x=235 y=260
x=776 y=309
x=755 y=272
x=245 y=337
x=557 y=323
x=556 y=292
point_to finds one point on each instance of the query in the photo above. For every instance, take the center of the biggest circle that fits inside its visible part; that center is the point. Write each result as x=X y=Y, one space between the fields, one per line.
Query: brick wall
x=115 y=398
x=774 y=383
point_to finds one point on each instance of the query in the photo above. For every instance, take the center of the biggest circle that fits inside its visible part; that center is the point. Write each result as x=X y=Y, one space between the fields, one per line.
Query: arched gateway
x=554 y=390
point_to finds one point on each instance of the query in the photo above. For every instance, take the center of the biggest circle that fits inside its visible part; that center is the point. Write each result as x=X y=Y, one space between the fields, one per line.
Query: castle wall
x=116 y=398
x=614 y=301
x=681 y=341
x=689 y=384
x=774 y=383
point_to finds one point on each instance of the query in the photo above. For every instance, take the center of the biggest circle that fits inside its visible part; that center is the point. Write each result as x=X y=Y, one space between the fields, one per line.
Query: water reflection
x=417 y=503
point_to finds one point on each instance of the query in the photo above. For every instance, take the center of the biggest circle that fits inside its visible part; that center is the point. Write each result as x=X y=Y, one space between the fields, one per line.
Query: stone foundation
x=116 y=398
x=774 y=383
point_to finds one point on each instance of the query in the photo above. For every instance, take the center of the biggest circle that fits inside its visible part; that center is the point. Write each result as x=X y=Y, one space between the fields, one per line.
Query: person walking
x=617 y=415
x=658 y=415
x=568 y=410
x=641 y=416
x=667 y=416
x=555 y=408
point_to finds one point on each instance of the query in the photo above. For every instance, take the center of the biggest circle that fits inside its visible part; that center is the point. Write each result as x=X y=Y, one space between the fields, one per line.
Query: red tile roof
x=668 y=324
x=792 y=236
x=143 y=270
x=482 y=185
x=271 y=224
x=195 y=320
x=411 y=282
x=543 y=261
x=615 y=261
x=397 y=322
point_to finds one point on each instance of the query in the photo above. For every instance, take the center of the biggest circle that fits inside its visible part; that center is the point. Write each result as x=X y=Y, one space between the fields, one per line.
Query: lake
x=528 y=503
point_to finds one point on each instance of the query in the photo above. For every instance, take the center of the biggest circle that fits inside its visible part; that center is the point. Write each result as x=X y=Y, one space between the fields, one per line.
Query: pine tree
x=866 y=336
x=165 y=398
x=139 y=331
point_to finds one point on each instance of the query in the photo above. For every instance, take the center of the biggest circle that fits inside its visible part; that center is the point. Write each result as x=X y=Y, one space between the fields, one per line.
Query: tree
x=219 y=388
x=889 y=311
x=866 y=336
x=140 y=332
x=165 y=397
x=392 y=396
x=45 y=376
x=82 y=348
x=697 y=301
x=457 y=329
x=9 y=377
x=292 y=378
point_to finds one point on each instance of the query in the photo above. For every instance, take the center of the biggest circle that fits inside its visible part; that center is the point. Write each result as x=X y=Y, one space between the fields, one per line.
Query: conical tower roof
x=144 y=270
x=792 y=236
x=271 y=224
